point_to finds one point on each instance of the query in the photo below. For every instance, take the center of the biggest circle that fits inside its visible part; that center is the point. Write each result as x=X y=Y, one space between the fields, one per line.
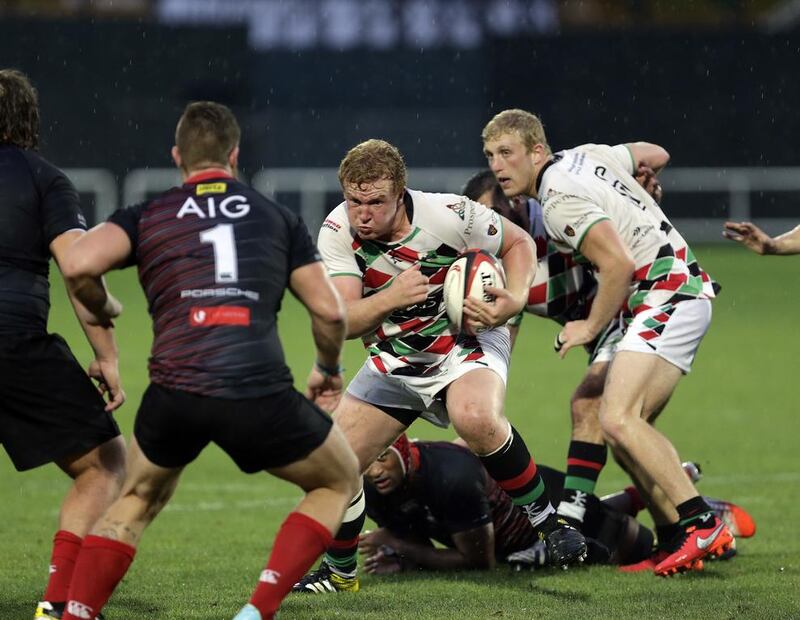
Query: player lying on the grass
x=422 y=492
x=755 y=239
x=214 y=259
x=593 y=209
x=388 y=249
x=50 y=411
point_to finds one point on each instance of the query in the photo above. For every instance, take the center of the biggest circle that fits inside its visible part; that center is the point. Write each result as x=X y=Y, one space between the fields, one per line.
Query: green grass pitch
x=736 y=414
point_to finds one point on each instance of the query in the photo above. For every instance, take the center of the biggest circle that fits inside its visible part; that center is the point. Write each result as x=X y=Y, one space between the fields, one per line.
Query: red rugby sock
x=298 y=544
x=66 y=547
x=101 y=565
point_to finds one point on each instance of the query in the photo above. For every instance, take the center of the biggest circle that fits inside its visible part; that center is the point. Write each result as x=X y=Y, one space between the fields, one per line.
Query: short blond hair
x=526 y=125
x=372 y=161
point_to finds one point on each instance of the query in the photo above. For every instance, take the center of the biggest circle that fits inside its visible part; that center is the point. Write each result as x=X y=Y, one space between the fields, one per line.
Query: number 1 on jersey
x=226 y=263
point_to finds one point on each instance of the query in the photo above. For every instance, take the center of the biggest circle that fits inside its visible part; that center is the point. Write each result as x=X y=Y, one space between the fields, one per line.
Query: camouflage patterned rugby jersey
x=412 y=341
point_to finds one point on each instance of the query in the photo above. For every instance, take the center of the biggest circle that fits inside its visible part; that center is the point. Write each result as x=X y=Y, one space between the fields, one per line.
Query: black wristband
x=327 y=370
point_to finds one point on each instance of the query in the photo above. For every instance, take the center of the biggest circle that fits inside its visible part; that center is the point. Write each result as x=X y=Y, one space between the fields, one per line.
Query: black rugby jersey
x=37 y=204
x=214 y=258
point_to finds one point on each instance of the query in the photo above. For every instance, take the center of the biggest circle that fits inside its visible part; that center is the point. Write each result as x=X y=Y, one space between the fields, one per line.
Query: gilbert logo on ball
x=468 y=276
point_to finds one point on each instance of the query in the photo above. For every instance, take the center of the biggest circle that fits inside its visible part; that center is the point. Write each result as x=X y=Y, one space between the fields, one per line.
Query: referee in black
x=50 y=411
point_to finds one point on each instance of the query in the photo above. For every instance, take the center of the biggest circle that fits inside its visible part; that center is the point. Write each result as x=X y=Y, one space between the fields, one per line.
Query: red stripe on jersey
x=662 y=317
x=438 y=277
x=681 y=254
x=519 y=481
x=404 y=253
x=379 y=364
x=537 y=294
x=219 y=315
x=411 y=324
x=648 y=335
x=583 y=463
x=475 y=355
x=375 y=279
x=441 y=345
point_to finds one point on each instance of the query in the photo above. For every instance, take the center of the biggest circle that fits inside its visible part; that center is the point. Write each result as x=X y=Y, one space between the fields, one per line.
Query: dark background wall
x=111 y=93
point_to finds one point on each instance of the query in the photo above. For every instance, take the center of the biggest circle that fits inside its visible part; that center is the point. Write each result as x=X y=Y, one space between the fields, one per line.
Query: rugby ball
x=468 y=276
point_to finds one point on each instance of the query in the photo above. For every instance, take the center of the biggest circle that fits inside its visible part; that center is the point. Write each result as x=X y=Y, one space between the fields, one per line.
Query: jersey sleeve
x=568 y=219
x=483 y=228
x=61 y=208
x=127 y=218
x=303 y=251
x=336 y=249
x=620 y=155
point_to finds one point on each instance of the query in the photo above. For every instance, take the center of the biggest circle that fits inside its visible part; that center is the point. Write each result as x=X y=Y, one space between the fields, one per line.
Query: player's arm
x=650 y=155
x=95 y=307
x=518 y=253
x=365 y=314
x=312 y=286
x=473 y=549
x=604 y=248
x=755 y=239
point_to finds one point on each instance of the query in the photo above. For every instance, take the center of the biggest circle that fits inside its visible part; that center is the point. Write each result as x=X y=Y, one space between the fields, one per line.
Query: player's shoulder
x=336 y=223
x=42 y=171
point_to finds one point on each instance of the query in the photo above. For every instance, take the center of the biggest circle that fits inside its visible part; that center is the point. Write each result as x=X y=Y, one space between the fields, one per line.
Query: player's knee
x=613 y=427
x=479 y=427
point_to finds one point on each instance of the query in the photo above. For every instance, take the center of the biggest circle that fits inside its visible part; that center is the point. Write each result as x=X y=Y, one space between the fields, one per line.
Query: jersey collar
x=214 y=173
x=549 y=163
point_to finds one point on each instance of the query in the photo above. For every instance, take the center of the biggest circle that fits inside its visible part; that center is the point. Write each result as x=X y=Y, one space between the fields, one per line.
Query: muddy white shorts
x=426 y=394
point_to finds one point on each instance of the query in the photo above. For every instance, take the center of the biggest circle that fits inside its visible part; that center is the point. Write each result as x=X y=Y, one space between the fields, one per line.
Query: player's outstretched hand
x=106 y=373
x=409 y=288
x=323 y=390
x=573 y=334
x=482 y=315
x=749 y=235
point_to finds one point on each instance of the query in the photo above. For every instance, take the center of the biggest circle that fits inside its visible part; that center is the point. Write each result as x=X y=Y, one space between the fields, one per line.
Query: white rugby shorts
x=674 y=335
x=425 y=394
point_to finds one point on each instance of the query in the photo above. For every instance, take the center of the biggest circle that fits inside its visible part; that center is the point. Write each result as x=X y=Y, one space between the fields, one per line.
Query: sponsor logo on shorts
x=219 y=315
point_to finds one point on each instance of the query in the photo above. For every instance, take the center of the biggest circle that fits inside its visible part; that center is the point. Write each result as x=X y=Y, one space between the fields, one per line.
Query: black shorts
x=173 y=426
x=49 y=408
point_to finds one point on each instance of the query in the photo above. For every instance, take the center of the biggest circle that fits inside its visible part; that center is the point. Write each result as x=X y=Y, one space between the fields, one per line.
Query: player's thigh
x=331 y=465
x=108 y=457
x=635 y=379
x=368 y=430
x=144 y=479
